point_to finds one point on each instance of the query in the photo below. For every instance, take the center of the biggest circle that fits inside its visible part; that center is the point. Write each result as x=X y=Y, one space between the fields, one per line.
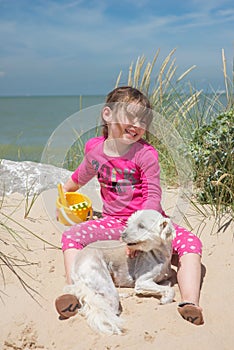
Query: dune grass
x=13 y=250
x=204 y=123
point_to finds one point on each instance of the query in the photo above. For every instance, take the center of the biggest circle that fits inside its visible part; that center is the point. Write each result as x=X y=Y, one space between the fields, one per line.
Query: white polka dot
x=90 y=228
x=78 y=233
x=183 y=246
x=91 y=235
x=180 y=233
x=192 y=247
x=191 y=234
x=71 y=245
x=112 y=221
x=68 y=236
x=83 y=236
x=110 y=237
x=190 y=240
x=112 y=231
x=94 y=226
x=83 y=231
x=101 y=226
x=185 y=253
x=77 y=240
x=178 y=241
x=109 y=224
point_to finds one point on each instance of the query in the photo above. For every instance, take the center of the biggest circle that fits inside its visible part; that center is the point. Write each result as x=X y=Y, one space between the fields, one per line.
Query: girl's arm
x=151 y=189
x=85 y=172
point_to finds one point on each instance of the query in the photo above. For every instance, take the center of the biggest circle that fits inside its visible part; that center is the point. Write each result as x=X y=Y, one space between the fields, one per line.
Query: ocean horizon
x=27 y=122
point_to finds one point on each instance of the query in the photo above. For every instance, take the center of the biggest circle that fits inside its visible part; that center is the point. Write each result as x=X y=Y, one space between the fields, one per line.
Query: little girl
x=128 y=171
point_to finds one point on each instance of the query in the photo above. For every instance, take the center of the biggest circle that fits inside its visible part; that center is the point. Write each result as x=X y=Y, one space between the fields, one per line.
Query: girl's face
x=127 y=123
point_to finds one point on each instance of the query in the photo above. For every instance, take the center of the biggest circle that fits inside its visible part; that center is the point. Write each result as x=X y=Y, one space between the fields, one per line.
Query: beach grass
x=202 y=121
x=14 y=260
x=14 y=246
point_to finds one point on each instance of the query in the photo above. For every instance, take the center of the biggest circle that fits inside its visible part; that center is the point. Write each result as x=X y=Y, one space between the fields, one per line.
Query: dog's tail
x=96 y=309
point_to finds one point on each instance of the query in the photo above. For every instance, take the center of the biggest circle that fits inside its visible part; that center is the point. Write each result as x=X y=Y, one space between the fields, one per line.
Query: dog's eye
x=140 y=225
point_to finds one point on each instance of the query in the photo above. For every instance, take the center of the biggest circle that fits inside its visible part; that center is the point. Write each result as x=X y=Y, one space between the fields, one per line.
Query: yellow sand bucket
x=73 y=207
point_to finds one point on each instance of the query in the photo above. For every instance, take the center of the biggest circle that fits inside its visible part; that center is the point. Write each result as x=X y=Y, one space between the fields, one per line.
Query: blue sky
x=59 y=47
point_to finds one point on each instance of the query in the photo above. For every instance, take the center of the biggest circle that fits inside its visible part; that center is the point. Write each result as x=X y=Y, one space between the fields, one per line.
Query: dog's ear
x=167 y=229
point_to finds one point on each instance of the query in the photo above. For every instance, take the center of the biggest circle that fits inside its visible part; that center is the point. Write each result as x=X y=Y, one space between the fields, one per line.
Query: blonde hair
x=127 y=94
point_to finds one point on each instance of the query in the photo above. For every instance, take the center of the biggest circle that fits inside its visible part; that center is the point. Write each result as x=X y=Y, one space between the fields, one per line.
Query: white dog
x=96 y=272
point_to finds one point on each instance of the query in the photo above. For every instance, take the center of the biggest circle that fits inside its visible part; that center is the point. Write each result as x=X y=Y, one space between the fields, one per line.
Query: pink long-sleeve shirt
x=128 y=183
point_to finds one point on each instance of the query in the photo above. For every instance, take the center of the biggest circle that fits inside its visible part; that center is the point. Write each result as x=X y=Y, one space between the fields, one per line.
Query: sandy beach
x=29 y=319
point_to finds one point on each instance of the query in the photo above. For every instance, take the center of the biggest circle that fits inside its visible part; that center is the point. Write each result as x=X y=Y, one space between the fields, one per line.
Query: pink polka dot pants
x=80 y=235
x=109 y=228
x=185 y=242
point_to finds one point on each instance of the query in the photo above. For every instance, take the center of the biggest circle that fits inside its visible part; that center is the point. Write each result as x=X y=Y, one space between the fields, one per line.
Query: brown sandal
x=67 y=305
x=191 y=313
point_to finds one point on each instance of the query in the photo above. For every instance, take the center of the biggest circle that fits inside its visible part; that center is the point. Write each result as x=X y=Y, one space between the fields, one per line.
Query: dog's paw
x=167 y=296
x=139 y=291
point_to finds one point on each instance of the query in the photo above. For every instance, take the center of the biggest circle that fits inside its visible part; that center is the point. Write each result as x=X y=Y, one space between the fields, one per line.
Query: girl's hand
x=70 y=186
x=131 y=253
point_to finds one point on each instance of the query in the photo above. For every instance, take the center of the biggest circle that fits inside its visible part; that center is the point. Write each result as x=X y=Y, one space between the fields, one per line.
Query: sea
x=27 y=122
